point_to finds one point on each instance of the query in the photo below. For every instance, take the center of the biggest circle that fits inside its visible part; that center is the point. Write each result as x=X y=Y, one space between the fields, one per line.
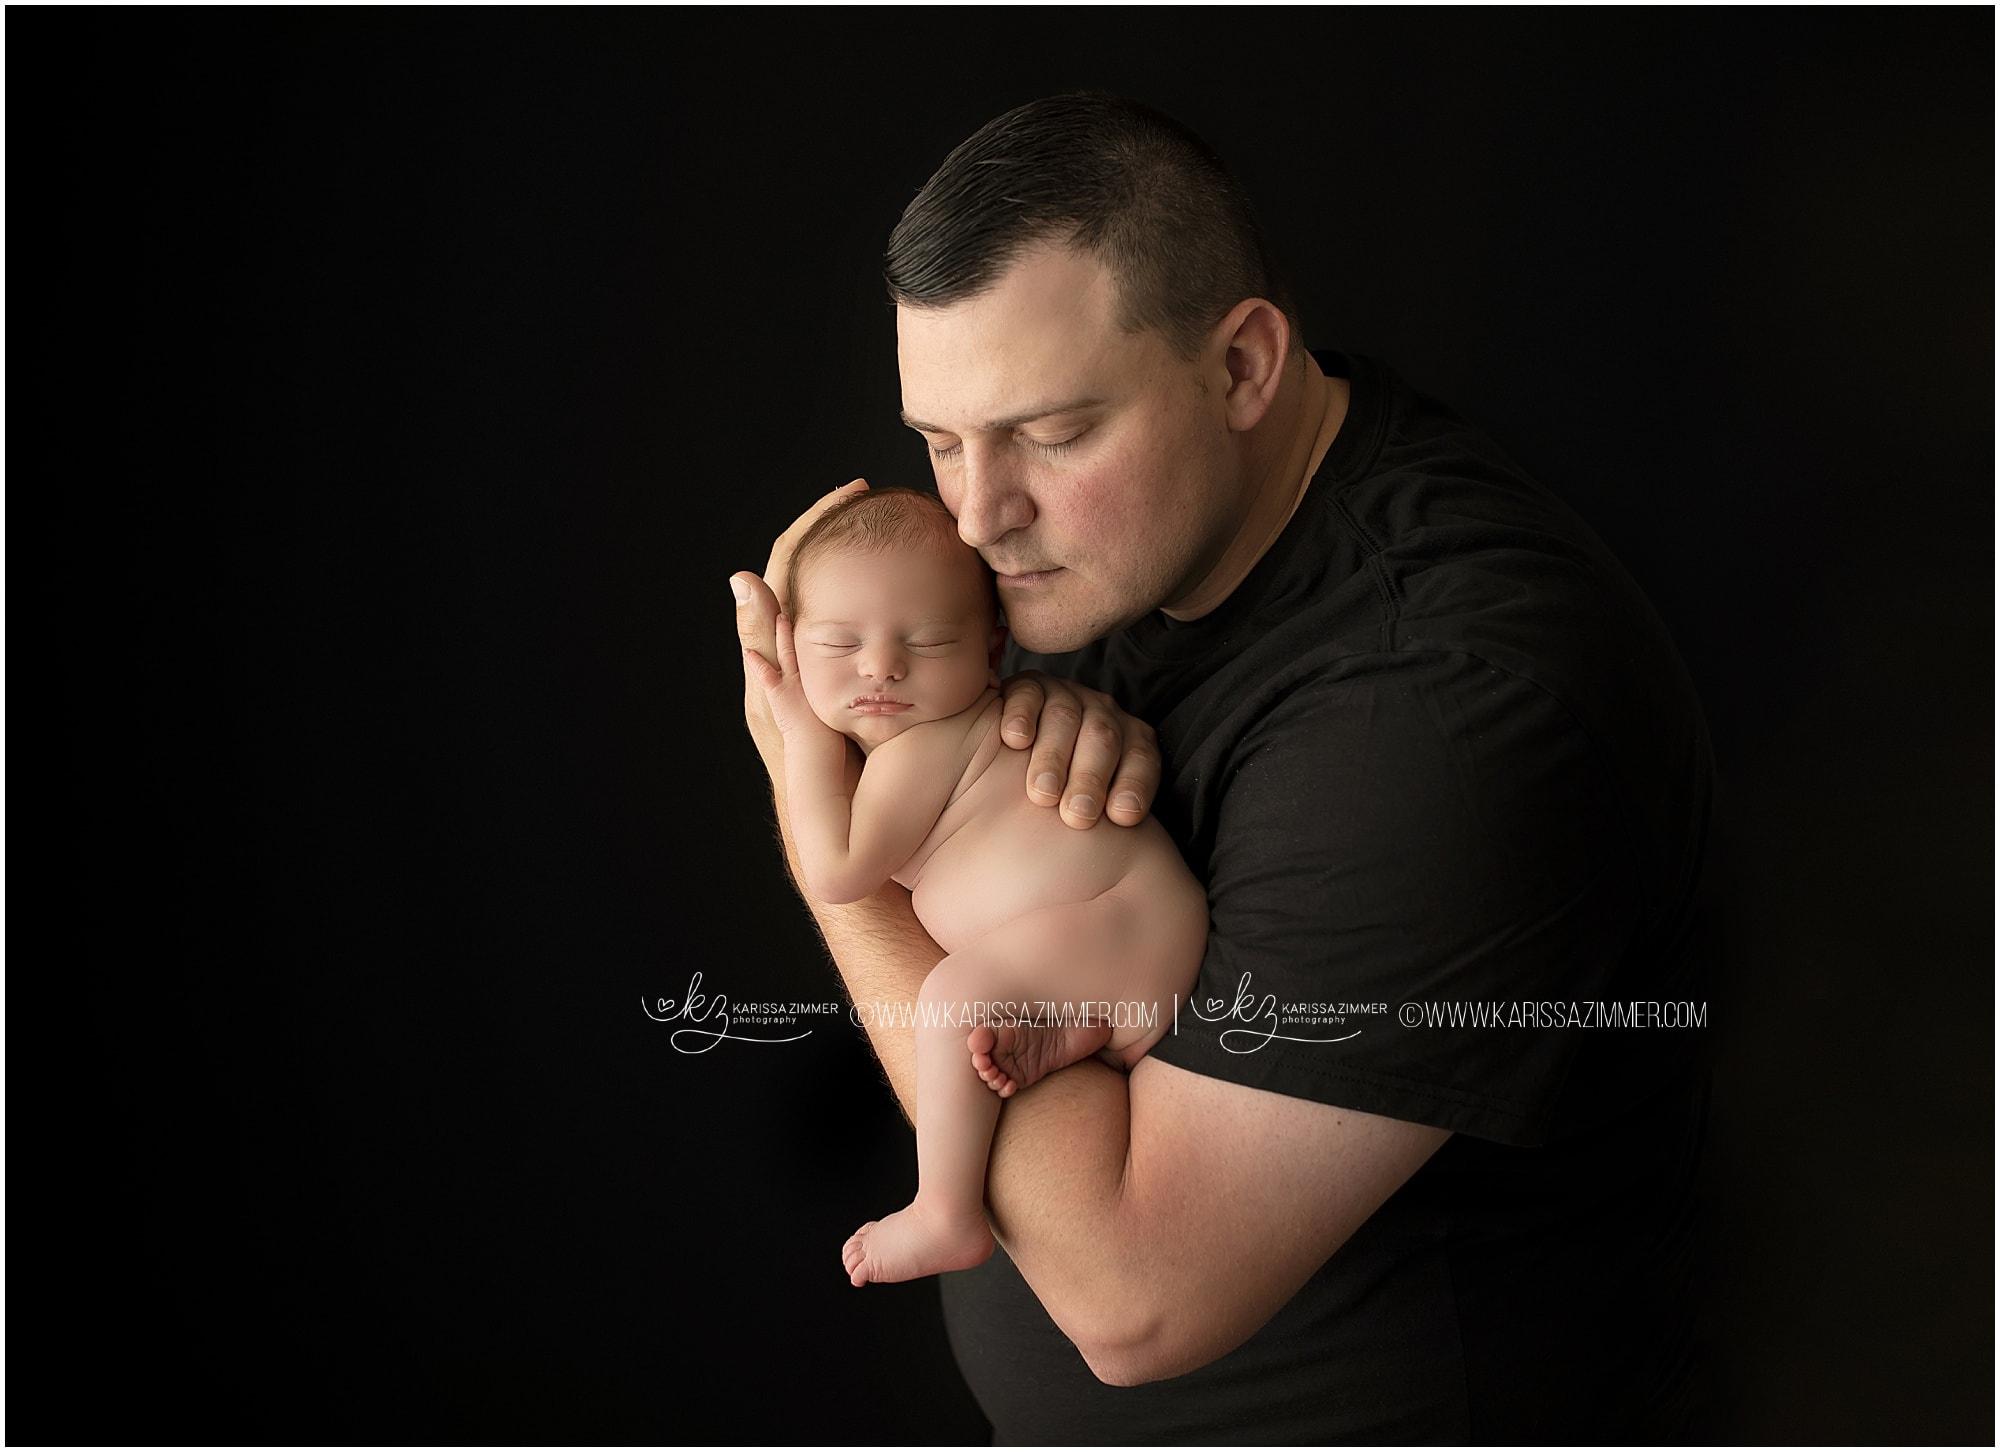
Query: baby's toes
x=853 y=1260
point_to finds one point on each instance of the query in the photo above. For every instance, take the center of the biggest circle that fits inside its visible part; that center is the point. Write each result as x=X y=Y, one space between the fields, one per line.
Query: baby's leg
x=944 y=1228
x=1119 y=949
x=1107 y=950
x=1137 y=946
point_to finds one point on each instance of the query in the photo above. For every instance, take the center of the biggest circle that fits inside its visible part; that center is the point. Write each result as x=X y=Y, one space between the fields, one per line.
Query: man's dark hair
x=1137 y=190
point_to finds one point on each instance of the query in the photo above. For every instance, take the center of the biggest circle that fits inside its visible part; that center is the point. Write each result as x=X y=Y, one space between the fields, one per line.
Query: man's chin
x=1052 y=636
x=1056 y=622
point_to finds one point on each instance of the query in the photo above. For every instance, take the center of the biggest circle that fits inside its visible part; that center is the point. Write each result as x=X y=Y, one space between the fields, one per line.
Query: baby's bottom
x=1096 y=977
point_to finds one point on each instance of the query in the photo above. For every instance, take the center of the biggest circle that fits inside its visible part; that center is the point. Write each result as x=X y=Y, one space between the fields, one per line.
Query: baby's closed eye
x=846 y=645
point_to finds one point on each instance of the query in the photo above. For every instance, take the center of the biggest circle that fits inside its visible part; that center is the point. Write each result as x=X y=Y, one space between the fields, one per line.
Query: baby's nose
x=883 y=667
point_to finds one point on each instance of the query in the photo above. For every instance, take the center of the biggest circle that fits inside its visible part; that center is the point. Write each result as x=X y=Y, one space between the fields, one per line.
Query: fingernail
x=1019 y=727
x=1083 y=806
x=1047 y=782
x=740 y=590
x=1125 y=802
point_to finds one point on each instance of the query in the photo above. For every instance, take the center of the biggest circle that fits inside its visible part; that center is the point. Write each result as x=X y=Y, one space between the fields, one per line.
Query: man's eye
x=1061 y=448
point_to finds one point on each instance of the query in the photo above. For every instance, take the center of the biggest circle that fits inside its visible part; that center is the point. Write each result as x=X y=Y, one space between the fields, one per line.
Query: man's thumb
x=756 y=612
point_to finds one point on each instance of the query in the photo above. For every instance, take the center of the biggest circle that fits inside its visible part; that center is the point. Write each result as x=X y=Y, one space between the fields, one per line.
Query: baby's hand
x=783 y=687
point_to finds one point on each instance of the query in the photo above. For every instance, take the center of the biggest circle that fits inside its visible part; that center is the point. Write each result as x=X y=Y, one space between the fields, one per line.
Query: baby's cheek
x=820 y=692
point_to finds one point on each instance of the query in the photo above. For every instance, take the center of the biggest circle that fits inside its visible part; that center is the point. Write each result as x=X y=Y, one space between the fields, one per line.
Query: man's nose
x=991 y=502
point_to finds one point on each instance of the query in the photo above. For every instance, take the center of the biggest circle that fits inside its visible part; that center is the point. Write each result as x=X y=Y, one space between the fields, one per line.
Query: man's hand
x=757 y=609
x=1081 y=741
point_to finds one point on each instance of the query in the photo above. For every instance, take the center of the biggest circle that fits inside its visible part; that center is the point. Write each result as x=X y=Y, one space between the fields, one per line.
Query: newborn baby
x=891 y=640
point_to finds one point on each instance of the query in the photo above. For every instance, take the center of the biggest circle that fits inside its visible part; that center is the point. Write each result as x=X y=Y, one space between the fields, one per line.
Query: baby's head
x=888 y=602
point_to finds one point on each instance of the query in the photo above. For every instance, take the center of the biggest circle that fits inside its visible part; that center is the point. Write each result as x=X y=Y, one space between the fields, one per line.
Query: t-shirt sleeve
x=1414 y=837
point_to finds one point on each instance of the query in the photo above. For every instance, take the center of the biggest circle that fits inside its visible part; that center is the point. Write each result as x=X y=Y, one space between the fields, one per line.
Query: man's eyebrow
x=1040 y=410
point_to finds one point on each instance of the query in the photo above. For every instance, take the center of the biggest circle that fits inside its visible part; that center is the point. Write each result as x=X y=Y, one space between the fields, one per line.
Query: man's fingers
x=1085 y=750
x=756 y=614
x=1055 y=744
x=1138 y=778
x=757 y=606
x=1020 y=712
x=1099 y=741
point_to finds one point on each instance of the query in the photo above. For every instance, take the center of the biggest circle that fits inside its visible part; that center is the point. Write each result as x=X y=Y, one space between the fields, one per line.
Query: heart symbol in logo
x=1215 y=1005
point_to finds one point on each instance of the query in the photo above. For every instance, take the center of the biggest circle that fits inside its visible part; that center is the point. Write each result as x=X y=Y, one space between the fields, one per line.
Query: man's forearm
x=884 y=955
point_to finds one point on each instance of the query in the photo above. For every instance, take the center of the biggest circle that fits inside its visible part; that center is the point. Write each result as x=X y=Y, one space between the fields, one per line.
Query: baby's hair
x=877 y=520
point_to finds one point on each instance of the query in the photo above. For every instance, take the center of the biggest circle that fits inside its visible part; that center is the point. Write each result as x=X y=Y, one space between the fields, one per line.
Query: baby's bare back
x=995 y=855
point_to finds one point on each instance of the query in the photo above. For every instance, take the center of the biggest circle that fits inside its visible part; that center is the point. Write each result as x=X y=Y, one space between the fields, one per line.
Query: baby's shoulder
x=982 y=745
x=967 y=741
x=982 y=718
x=983 y=738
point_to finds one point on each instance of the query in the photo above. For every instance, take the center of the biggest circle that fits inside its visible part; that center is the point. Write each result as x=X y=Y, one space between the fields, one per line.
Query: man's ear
x=996 y=643
x=1254 y=360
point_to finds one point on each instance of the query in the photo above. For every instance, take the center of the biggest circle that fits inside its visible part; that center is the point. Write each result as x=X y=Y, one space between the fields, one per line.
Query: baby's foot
x=915 y=1242
x=1013 y=1056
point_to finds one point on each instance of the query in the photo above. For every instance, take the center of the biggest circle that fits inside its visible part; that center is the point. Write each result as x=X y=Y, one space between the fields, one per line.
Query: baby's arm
x=848 y=849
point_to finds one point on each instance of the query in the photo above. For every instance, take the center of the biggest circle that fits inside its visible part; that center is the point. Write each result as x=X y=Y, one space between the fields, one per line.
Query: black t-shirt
x=1436 y=749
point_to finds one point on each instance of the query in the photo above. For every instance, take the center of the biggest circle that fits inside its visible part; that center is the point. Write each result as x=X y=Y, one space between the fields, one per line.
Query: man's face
x=1126 y=495
x=911 y=626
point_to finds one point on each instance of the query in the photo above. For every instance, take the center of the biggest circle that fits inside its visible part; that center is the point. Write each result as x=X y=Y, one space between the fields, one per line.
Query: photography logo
x=1256 y=1021
x=706 y=1019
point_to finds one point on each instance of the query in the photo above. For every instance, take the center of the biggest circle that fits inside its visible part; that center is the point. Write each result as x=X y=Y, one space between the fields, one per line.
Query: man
x=1425 y=743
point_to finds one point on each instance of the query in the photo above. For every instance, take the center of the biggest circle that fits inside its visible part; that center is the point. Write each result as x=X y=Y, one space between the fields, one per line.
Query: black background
x=392 y=394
